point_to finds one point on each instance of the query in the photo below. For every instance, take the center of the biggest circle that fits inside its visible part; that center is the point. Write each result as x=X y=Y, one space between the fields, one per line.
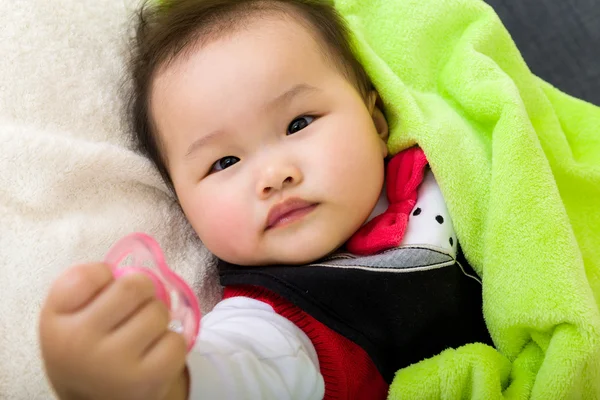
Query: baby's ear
x=376 y=109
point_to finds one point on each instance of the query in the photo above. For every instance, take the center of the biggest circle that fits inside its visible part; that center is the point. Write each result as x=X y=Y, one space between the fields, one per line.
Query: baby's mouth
x=288 y=211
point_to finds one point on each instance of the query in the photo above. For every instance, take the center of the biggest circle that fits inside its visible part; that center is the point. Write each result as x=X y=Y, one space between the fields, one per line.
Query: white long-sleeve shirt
x=246 y=350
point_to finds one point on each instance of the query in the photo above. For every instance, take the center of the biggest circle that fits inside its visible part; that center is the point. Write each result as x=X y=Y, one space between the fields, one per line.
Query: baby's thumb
x=77 y=287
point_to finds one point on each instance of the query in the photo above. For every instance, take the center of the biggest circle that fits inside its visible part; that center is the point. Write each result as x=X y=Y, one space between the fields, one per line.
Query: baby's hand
x=103 y=338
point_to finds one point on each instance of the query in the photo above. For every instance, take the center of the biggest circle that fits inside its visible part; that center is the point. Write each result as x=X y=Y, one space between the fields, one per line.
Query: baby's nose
x=278 y=177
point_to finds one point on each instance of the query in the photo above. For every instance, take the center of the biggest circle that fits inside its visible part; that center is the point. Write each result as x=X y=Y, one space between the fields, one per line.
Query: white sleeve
x=246 y=350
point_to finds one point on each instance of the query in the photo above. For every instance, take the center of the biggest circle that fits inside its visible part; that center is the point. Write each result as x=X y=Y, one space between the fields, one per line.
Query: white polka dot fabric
x=429 y=223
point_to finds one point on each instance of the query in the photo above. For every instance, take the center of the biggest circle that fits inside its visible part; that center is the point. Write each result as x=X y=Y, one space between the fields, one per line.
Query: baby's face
x=274 y=155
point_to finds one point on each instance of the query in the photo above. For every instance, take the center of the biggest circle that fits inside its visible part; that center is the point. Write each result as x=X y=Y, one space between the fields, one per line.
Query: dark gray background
x=559 y=40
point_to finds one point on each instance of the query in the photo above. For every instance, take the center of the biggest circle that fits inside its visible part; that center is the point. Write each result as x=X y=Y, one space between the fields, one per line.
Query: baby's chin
x=289 y=256
x=299 y=245
x=300 y=259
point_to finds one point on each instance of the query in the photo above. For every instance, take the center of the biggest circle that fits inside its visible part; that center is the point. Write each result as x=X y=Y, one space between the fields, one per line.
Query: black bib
x=401 y=306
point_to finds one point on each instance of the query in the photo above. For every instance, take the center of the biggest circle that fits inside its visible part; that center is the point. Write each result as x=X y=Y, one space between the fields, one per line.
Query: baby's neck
x=381 y=206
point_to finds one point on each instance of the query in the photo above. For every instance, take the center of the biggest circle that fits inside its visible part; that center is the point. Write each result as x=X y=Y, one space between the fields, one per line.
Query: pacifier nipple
x=139 y=253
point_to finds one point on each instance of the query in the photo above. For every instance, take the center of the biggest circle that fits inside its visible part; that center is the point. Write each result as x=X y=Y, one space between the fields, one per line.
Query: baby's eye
x=224 y=163
x=299 y=123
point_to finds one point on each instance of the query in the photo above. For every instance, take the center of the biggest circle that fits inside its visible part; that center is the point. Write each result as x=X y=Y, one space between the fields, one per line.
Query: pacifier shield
x=139 y=253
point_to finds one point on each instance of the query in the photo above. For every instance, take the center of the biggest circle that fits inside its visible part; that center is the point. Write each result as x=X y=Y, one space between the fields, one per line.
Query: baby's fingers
x=166 y=358
x=77 y=287
x=121 y=301
x=142 y=329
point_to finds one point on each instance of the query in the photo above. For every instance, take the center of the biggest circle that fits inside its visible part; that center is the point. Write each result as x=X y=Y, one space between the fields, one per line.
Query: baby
x=267 y=129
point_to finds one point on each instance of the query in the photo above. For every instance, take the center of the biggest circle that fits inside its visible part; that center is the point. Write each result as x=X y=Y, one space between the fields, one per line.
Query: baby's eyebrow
x=288 y=95
x=196 y=144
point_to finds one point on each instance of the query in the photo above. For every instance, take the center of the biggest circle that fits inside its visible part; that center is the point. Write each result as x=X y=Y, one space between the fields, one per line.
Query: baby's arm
x=104 y=338
x=247 y=351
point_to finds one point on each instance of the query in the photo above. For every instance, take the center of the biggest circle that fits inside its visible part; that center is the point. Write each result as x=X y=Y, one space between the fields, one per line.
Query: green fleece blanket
x=519 y=165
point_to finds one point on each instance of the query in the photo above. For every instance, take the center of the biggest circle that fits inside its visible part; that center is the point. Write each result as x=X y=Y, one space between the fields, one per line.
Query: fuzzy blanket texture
x=69 y=185
x=519 y=165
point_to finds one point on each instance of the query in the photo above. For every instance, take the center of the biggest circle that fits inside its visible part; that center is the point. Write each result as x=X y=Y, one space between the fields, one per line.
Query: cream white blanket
x=69 y=185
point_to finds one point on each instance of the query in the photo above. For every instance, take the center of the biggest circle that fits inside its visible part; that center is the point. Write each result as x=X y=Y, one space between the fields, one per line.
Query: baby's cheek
x=225 y=227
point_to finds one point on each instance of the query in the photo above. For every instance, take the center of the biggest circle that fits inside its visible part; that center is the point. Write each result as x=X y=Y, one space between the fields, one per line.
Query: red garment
x=404 y=174
x=346 y=368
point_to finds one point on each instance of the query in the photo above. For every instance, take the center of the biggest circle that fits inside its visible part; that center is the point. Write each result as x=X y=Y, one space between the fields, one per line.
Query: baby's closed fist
x=103 y=338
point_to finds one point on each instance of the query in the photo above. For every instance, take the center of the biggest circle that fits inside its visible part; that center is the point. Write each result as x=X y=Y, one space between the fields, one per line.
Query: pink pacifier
x=139 y=253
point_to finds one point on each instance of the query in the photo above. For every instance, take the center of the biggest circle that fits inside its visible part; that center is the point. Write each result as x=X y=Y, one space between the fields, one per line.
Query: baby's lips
x=143 y=255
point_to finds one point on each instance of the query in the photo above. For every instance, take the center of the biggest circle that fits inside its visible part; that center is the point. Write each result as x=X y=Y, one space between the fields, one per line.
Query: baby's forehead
x=266 y=61
x=274 y=45
x=275 y=53
x=268 y=16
